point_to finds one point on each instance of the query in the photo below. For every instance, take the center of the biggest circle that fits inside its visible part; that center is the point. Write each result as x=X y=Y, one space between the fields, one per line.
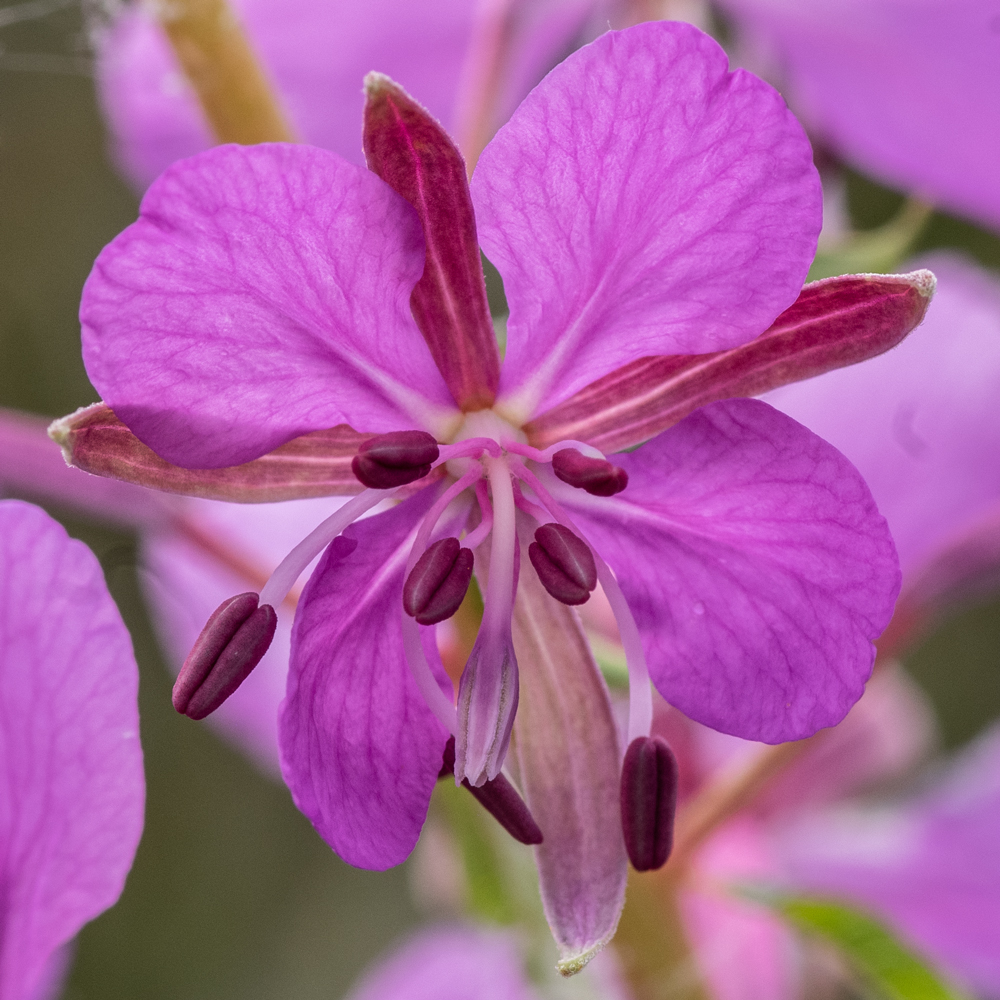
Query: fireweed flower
x=71 y=785
x=465 y=58
x=858 y=70
x=643 y=206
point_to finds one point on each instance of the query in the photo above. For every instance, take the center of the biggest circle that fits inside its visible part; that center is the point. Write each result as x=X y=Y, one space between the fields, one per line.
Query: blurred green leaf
x=892 y=968
x=875 y=250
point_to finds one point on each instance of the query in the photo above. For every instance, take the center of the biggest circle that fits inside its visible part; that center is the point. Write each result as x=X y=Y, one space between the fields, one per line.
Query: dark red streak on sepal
x=833 y=323
x=413 y=154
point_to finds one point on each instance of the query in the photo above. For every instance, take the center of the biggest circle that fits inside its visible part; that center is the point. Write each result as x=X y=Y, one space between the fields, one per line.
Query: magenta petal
x=757 y=567
x=642 y=201
x=930 y=868
x=317 y=54
x=453 y=963
x=238 y=312
x=920 y=422
x=360 y=748
x=907 y=92
x=71 y=781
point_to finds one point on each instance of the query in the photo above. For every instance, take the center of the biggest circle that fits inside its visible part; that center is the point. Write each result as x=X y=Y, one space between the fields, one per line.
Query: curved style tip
x=394 y=459
x=648 y=802
x=232 y=643
x=564 y=564
x=594 y=475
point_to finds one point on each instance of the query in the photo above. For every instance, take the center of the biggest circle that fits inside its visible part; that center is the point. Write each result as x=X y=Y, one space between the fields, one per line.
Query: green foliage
x=892 y=969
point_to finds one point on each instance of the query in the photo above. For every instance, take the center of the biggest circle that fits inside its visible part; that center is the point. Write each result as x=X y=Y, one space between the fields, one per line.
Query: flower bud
x=437 y=584
x=231 y=644
x=648 y=802
x=595 y=475
x=564 y=563
x=499 y=798
x=395 y=459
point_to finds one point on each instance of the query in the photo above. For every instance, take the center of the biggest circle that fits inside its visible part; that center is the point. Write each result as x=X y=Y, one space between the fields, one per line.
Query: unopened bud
x=564 y=563
x=499 y=798
x=231 y=644
x=395 y=459
x=649 y=802
x=595 y=475
x=437 y=584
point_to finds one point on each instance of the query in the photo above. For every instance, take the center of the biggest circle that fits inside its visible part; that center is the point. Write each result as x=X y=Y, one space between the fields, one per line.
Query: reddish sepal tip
x=438 y=582
x=648 y=802
x=394 y=459
x=564 y=564
x=499 y=798
x=595 y=475
x=231 y=644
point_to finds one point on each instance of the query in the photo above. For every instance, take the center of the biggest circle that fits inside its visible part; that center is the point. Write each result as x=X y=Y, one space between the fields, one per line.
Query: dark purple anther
x=594 y=475
x=564 y=564
x=436 y=586
x=232 y=643
x=499 y=798
x=649 y=801
x=395 y=459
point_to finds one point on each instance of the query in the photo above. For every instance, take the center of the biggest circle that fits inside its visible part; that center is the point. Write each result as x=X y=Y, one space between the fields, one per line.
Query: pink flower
x=456 y=54
x=71 y=785
x=642 y=205
x=906 y=91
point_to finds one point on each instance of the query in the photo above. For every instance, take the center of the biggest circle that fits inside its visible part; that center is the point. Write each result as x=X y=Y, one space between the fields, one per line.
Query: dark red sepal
x=564 y=564
x=648 y=802
x=595 y=475
x=231 y=644
x=414 y=155
x=395 y=459
x=499 y=798
x=438 y=582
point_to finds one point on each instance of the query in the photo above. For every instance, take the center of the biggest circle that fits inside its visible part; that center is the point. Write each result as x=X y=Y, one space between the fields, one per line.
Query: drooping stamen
x=640 y=697
x=595 y=475
x=488 y=690
x=648 y=802
x=499 y=798
x=395 y=459
x=564 y=563
x=436 y=586
x=291 y=567
x=231 y=644
x=545 y=454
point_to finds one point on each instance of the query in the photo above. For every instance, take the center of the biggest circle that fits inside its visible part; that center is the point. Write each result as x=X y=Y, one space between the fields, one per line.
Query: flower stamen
x=436 y=585
x=395 y=459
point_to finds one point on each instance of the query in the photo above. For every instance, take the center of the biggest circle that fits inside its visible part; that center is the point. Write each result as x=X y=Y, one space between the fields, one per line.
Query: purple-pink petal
x=906 y=91
x=238 y=312
x=316 y=54
x=360 y=748
x=642 y=201
x=71 y=781
x=449 y=963
x=930 y=868
x=920 y=422
x=757 y=566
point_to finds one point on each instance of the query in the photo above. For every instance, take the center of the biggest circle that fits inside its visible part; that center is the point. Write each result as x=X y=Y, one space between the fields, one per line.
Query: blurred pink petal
x=742 y=951
x=920 y=421
x=71 y=785
x=449 y=964
x=930 y=867
x=907 y=90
